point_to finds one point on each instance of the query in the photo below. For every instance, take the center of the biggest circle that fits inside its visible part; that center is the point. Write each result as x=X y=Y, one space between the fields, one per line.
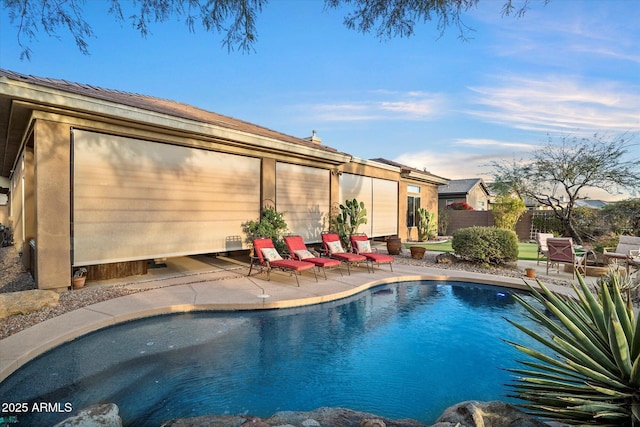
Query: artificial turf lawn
x=526 y=251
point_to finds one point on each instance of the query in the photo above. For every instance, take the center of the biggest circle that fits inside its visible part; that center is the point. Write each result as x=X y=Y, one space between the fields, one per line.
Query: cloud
x=469 y=142
x=558 y=104
x=450 y=165
x=383 y=105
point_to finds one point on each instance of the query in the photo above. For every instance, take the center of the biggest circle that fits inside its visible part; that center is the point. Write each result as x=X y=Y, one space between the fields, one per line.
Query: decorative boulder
x=446 y=258
x=486 y=414
x=25 y=302
x=102 y=415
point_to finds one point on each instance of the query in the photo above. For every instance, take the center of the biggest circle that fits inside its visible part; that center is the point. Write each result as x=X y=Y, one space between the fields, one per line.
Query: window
x=413 y=204
x=413 y=189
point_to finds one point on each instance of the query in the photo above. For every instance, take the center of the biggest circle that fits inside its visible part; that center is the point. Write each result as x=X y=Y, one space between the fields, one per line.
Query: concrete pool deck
x=205 y=283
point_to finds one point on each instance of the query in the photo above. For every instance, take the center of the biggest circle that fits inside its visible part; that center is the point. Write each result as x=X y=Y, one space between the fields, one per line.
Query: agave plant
x=594 y=378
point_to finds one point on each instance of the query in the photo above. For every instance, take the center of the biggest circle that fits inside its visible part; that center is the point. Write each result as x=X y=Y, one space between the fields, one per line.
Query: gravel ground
x=13 y=278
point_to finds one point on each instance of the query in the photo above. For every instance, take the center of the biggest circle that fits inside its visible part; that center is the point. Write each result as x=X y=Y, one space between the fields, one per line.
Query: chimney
x=314 y=138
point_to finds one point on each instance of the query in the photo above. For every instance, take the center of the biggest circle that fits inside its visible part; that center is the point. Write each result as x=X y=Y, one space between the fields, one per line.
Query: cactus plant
x=427 y=225
x=352 y=215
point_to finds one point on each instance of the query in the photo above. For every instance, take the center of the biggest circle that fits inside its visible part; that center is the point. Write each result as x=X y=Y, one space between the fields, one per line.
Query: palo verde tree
x=236 y=19
x=559 y=174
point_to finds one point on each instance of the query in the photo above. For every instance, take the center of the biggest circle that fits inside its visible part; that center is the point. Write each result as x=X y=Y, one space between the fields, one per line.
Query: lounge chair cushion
x=335 y=247
x=291 y=264
x=379 y=258
x=364 y=246
x=270 y=254
x=303 y=254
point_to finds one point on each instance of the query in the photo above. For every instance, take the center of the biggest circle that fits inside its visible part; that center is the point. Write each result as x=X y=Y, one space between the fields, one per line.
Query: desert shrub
x=486 y=245
x=507 y=210
x=271 y=224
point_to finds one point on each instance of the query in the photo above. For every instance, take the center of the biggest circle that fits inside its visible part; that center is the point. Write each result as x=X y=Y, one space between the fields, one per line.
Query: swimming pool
x=405 y=350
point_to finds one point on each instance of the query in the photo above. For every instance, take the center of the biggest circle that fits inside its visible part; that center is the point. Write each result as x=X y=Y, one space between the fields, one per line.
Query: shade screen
x=303 y=196
x=135 y=199
x=380 y=198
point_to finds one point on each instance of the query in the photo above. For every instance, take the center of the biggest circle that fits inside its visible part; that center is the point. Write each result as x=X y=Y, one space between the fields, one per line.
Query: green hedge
x=486 y=245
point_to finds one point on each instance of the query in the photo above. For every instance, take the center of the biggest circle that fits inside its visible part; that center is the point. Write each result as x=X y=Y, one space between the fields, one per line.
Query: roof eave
x=46 y=96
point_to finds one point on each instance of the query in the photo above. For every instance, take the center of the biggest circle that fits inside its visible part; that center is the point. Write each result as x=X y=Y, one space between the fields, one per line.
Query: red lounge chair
x=299 y=251
x=361 y=245
x=266 y=255
x=334 y=249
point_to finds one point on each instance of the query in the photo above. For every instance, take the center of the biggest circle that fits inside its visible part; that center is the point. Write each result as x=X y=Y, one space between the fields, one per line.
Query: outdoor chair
x=299 y=251
x=333 y=248
x=627 y=252
x=267 y=257
x=541 y=240
x=562 y=251
x=361 y=245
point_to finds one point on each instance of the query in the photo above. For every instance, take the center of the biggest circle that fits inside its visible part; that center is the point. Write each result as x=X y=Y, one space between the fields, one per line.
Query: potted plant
x=79 y=278
x=417 y=252
x=530 y=273
x=394 y=245
x=270 y=224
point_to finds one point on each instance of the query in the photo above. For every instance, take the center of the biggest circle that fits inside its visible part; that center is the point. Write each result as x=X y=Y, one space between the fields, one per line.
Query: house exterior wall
x=4 y=214
x=428 y=199
x=52 y=210
x=41 y=187
x=478 y=199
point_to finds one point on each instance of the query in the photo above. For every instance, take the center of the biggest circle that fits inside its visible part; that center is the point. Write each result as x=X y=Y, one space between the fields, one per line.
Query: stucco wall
x=52 y=189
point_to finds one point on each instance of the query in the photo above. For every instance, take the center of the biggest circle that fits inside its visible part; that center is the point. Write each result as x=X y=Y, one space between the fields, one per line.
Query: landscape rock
x=322 y=417
x=487 y=414
x=102 y=415
x=26 y=302
x=446 y=258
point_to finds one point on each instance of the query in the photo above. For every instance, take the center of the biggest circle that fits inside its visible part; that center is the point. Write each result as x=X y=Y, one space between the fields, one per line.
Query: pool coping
x=220 y=292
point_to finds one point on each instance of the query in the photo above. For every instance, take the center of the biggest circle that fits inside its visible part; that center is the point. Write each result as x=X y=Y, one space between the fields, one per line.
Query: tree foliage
x=559 y=173
x=236 y=19
x=507 y=210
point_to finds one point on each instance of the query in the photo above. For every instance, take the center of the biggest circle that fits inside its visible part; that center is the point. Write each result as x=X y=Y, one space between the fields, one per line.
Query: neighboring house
x=108 y=180
x=472 y=191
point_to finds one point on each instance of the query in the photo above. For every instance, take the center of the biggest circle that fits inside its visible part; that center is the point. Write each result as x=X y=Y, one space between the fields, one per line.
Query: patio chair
x=362 y=245
x=541 y=240
x=266 y=255
x=299 y=251
x=627 y=252
x=333 y=248
x=562 y=251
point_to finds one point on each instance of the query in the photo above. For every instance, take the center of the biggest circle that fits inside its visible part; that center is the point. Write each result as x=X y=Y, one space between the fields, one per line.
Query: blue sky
x=442 y=104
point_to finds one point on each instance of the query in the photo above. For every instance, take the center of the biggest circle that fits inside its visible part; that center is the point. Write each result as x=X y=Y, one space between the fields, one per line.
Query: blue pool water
x=406 y=350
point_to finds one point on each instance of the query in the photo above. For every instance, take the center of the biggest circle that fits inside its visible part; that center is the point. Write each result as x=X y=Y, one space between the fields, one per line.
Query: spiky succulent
x=594 y=376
